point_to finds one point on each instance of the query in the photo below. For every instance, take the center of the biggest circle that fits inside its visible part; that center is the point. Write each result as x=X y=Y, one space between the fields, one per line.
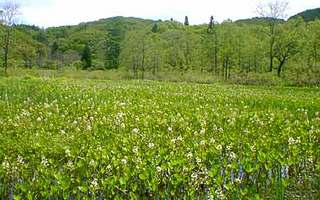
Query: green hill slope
x=308 y=15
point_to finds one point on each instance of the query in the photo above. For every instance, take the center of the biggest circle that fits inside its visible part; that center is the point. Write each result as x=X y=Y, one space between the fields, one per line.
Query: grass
x=78 y=138
x=262 y=79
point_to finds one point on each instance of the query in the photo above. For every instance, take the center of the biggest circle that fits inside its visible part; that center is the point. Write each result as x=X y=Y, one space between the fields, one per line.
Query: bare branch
x=272 y=9
x=9 y=12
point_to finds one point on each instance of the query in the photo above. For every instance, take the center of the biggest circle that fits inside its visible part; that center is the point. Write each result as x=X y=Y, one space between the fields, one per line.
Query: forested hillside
x=225 y=50
x=308 y=15
x=63 y=46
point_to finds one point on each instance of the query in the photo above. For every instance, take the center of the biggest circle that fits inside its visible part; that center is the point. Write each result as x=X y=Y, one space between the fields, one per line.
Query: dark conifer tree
x=54 y=50
x=155 y=28
x=86 y=57
x=186 y=21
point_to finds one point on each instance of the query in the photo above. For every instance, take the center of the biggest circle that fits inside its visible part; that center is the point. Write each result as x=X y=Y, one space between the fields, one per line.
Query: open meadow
x=198 y=100
x=90 y=139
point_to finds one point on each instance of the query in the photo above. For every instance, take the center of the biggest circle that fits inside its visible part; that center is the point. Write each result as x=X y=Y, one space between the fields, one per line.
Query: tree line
x=260 y=45
x=225 y=48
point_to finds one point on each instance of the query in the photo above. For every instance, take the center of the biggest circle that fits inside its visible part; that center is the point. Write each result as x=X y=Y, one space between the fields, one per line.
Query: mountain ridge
x=308 y=15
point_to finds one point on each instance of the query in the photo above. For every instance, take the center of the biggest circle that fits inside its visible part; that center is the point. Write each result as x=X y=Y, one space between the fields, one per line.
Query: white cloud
x=62 y=12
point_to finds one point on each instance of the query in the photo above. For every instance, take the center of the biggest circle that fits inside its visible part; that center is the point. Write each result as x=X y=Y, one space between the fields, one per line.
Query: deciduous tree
x=8 y=14
x=272 y=12
x=287 y=44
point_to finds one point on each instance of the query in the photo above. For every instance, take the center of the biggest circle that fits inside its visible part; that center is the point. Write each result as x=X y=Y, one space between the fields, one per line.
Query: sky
x=47 y=13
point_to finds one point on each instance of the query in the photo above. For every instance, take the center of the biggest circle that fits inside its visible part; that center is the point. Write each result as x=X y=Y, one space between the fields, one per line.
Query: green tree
x=86 y=57
x=41 y=55
x=134 y=52
x=287 y=44
x=113 y=49
x=155 y=28
x=271 y=12
x=42 y=37
x=227 y=48
x=8 y=14
x=54 y=50
x=254 y=46
x=186 y=21
x=213 y=33
x=313 y=43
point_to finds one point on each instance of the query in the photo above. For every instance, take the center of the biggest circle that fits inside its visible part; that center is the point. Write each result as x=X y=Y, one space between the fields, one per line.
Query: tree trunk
x=226 y=71
x=6 y=49
x=142 y=64
x=282 y=61
x=134 y=67
x=154 y=65
x=271 y=57
x=216 y=53
x=272 y=41
x=315 y=54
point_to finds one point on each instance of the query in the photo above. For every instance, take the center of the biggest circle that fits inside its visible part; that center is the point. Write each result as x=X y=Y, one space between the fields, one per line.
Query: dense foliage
x=72 y=139
x=226 y=50
x=309 y=15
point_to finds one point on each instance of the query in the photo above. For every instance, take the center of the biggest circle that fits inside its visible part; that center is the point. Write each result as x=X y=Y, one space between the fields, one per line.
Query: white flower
x=293 y=141
x=150 y=145
x=123 y=125
x=39 y=119
x=46 y=105
x=80 y=188
x=124 y=160
x=136 y=130
x=219 y=194
x=170 y=129
x=185 y=169
x=198 y=160
x=139 y=160
x=233 y=156
x=45 y=162
x=159 y=169
x=237 y=181
x=62 y=132
x=219 y=147
x=67 y=152
x=20 y=160
x=135 y=149
x=203 y=131
x=94 y=183
x=189 y=155
x=120 y=114
x=194 y=176
x=92 y=163
x=310 y=160
x=179 y=138
x=253 y=149
x=202 y=142
x=70 y=164
x=6 y=164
